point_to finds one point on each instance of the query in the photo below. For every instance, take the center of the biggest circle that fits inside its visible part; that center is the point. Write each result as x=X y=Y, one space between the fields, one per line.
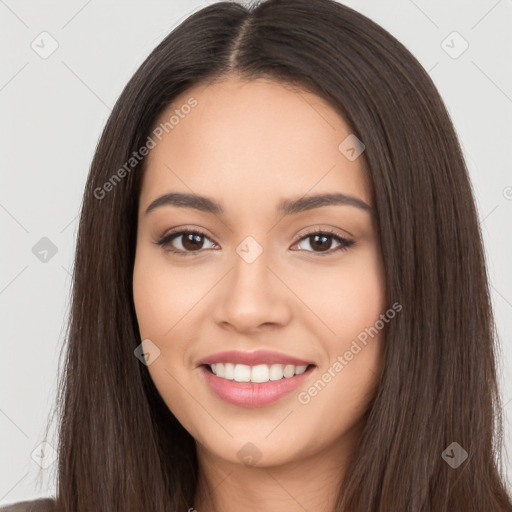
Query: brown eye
x=192 y=241
x=321 y=242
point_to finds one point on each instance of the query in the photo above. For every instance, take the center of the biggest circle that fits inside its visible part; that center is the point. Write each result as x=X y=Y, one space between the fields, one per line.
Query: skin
x=247 y=145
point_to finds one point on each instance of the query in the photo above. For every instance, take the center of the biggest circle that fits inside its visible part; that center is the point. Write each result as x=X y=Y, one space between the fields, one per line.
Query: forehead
x=251 y=142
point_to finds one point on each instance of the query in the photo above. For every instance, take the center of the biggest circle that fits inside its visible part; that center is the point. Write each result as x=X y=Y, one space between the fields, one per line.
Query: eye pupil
x=195 y=241
x=318 y=244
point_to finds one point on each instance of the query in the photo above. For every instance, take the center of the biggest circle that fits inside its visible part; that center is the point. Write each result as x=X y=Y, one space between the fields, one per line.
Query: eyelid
x=317 y=228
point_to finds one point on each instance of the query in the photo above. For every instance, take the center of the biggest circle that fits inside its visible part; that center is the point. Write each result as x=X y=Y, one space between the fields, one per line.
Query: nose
x=252 y=298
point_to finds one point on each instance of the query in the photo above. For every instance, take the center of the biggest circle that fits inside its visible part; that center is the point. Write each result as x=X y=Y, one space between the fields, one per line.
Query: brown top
x=39 y=505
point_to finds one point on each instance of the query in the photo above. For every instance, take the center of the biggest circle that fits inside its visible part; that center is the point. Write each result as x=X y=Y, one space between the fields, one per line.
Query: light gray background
x=52 y=112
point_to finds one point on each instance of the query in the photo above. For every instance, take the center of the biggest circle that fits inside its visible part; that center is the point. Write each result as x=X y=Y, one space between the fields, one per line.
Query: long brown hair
x=122 y=449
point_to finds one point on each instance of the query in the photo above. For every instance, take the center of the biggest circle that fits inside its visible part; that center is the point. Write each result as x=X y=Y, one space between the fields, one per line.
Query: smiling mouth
x=256 y=374
x=246 y=392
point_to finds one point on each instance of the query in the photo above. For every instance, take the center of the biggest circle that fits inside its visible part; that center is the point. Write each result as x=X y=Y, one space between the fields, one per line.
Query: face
x=236 y=272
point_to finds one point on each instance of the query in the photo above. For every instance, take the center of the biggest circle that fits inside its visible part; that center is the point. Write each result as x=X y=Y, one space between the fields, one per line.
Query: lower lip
x=251 y=394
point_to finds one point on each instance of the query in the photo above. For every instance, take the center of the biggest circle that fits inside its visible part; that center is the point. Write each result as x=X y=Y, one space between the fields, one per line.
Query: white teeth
x=276 y=372
x=229 y=371
x=259 y=373
x=289 y=370
x=300 y=369
x=242 y=373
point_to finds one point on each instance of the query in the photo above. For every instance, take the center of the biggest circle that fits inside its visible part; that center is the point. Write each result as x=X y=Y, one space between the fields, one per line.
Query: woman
x=280 y=298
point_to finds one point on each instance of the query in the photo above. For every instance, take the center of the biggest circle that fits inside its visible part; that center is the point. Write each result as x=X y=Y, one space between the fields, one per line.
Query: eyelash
x=165 y=241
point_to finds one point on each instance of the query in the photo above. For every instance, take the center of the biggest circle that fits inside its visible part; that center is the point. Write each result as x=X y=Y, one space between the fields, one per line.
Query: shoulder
x=39 y=505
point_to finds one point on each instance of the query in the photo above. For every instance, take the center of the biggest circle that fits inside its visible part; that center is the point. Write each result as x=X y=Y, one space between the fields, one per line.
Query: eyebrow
x=285 y=207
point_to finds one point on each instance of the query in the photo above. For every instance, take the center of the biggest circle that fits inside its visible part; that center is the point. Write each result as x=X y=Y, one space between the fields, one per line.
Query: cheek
x=345 y=299
x=163 y=294
x=149 y=299
x=160 y=301
x=351 y=303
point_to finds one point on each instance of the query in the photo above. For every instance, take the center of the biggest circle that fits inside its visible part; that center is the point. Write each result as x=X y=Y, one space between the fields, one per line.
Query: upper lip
x=252 y=358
